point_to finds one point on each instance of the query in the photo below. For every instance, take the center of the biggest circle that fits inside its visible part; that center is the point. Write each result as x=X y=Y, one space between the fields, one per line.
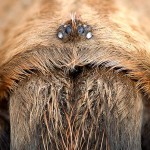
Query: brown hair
x=77 y=94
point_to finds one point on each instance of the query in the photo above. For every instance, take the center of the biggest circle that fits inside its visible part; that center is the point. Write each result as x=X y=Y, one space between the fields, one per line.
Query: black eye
x=80 y=29
x=68 y=29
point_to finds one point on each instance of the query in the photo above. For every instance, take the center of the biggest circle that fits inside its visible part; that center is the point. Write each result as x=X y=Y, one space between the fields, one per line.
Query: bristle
x=73 y=20
x=73 y=17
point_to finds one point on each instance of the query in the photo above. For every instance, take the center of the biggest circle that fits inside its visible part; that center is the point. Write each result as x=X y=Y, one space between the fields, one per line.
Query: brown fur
x=118 y=56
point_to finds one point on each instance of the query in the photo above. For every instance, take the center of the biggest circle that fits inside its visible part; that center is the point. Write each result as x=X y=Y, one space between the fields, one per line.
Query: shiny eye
x=60 y=35
x=80 y=29
x=89 y=35
x=68 y=29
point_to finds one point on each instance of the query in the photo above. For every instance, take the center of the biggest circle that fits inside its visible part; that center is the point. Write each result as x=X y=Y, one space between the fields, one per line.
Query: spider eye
x=80 y=29
x=89 y=35
x=68 y=29
x=60 y=35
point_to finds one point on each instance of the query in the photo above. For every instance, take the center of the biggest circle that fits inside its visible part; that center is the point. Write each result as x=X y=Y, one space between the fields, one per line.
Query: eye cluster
x=85 y=30
x=71 y=30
